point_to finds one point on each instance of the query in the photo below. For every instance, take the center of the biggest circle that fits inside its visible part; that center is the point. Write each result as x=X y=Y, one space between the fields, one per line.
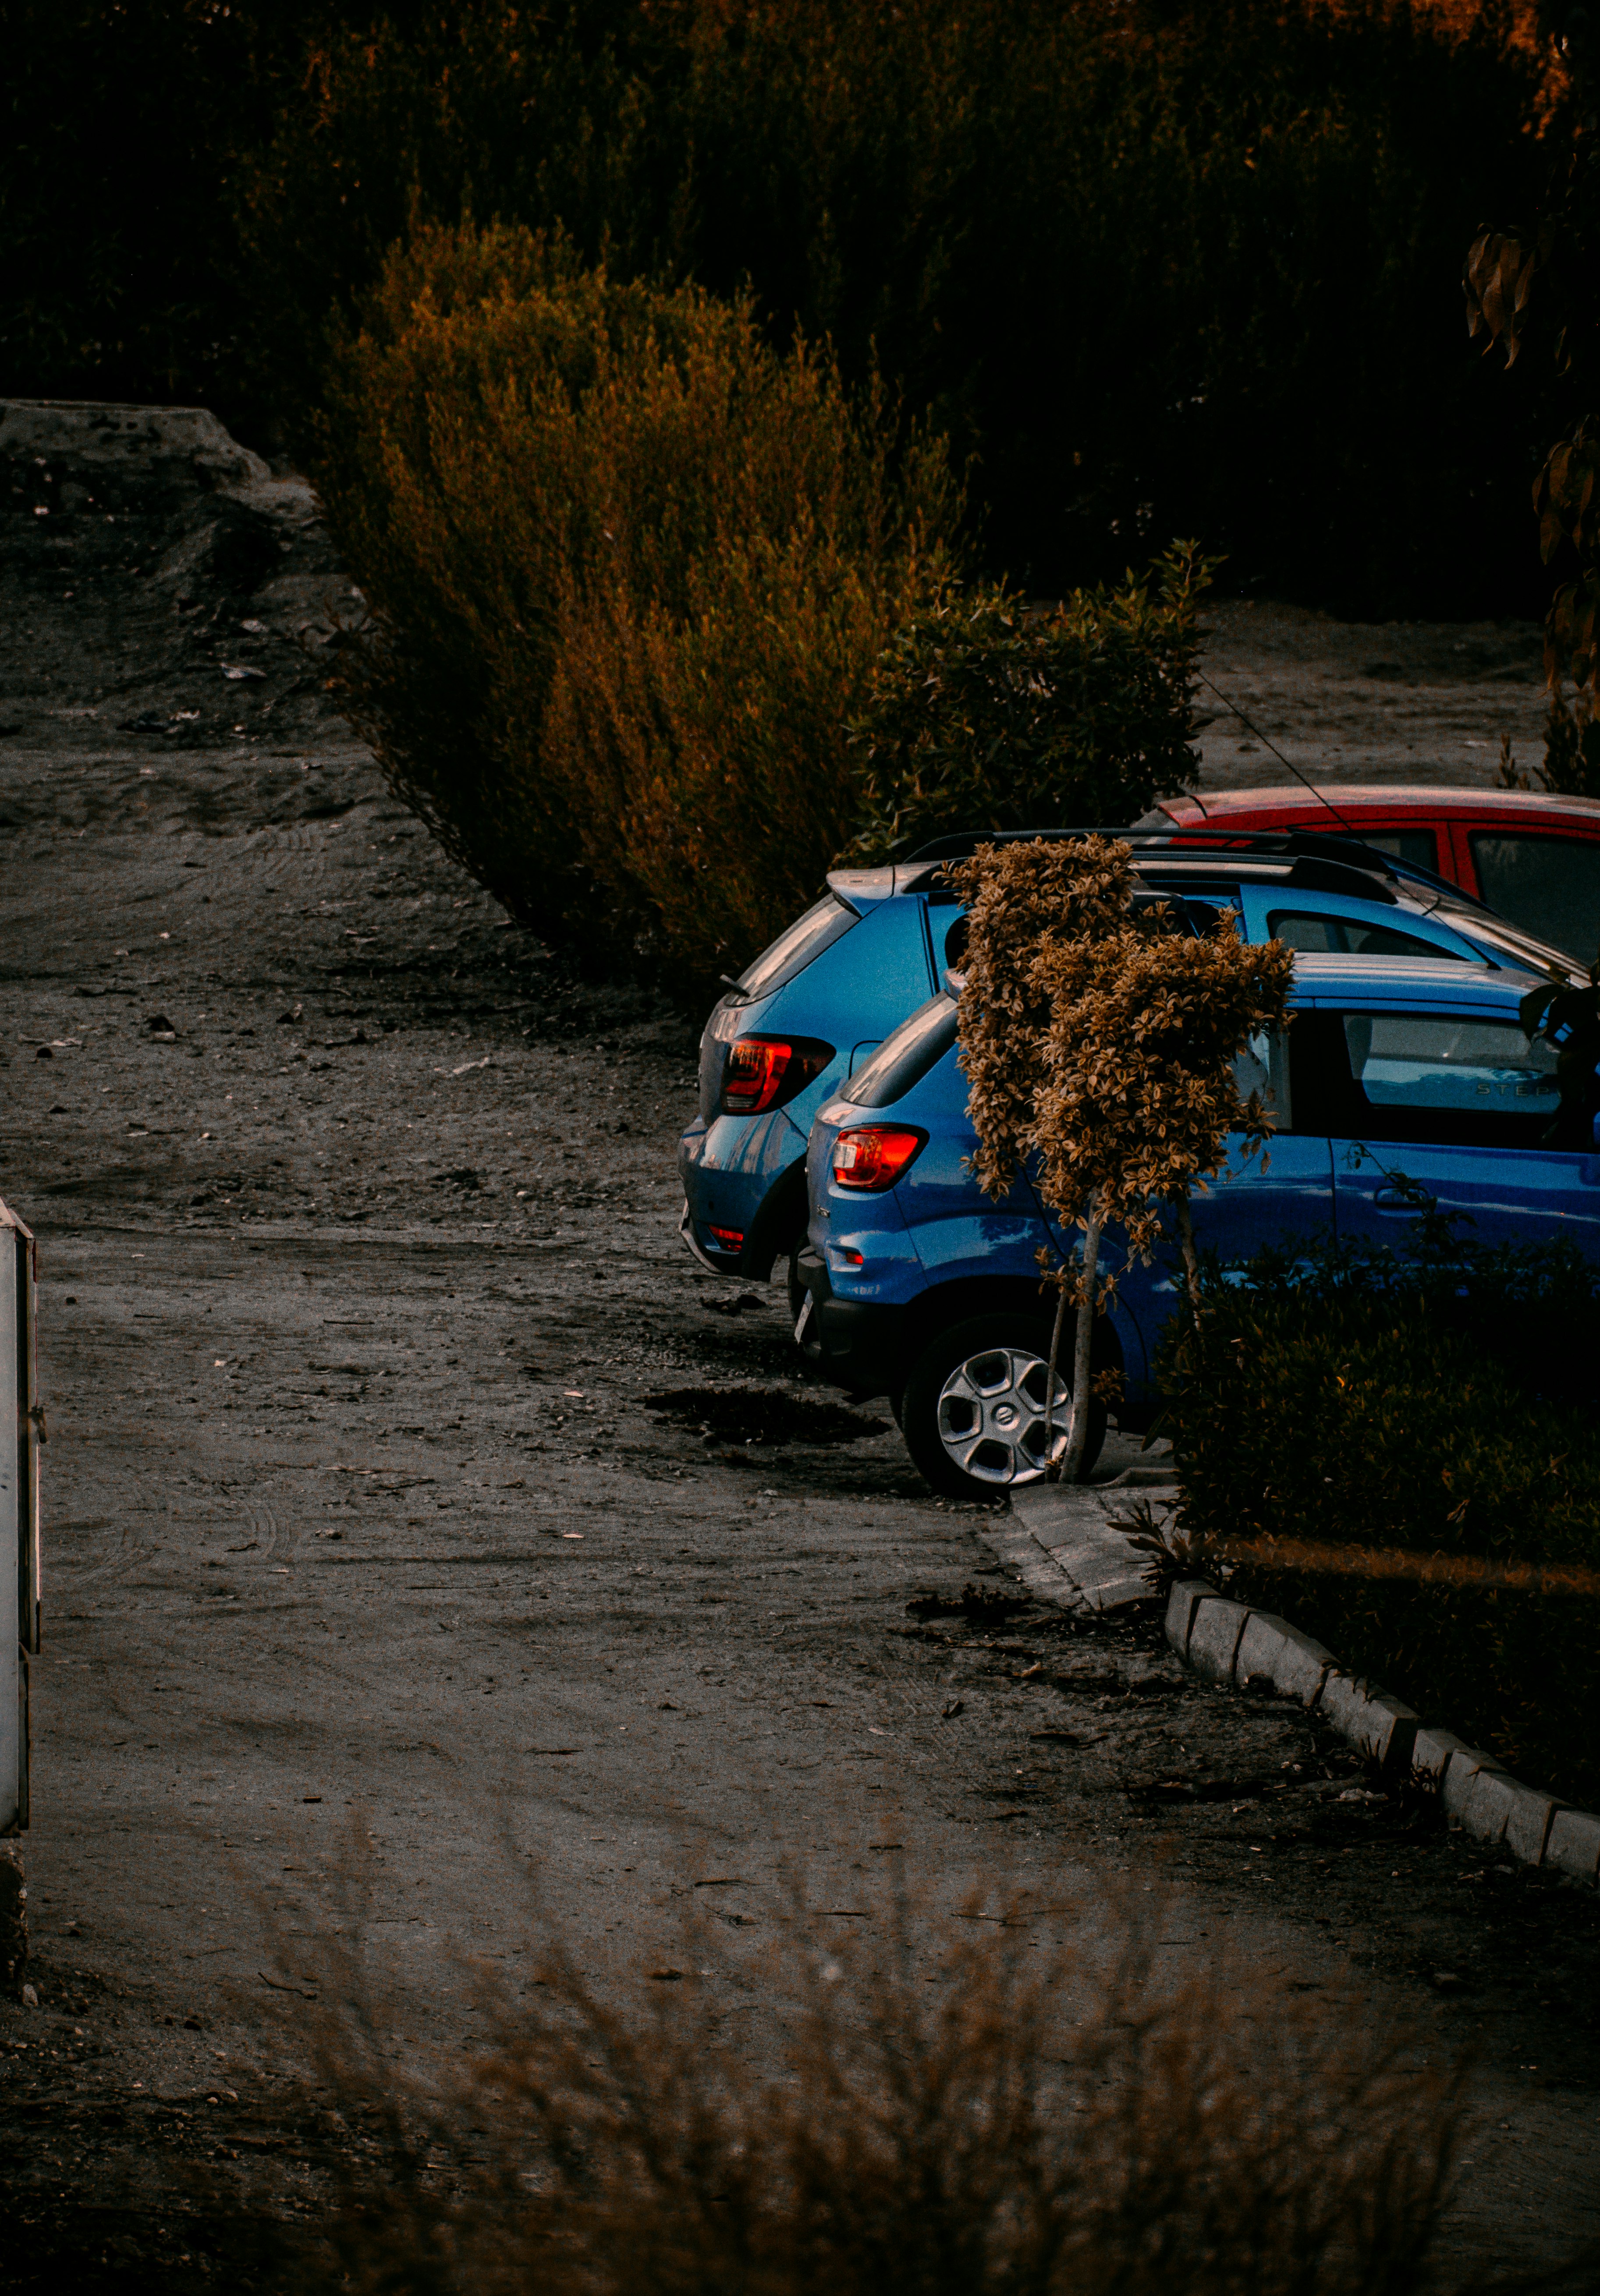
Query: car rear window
x=904 y=1058
x=1347 y=937
x=1550 y=886
x=803 y=942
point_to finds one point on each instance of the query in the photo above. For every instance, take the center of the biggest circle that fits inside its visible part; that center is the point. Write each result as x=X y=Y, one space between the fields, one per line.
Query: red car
x=1536 y=859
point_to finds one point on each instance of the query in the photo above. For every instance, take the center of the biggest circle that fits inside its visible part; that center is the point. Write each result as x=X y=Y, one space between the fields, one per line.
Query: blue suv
x=806 y=1015
x=1404 y=1082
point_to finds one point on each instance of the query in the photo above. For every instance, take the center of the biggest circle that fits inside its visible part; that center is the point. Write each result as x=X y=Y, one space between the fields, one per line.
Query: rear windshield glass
x=904 y=1058
x=801 y=945
x=1550 y=886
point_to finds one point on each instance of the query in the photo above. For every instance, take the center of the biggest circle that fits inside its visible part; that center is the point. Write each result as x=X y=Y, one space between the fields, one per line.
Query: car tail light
x=875 y=1155
x=726 y=1239
x=763 y=1073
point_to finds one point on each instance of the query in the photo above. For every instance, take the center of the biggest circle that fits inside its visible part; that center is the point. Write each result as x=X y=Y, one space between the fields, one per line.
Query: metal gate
x=21 y=1432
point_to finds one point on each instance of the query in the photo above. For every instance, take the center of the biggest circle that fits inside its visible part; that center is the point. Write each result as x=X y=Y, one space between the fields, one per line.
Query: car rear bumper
x=858 y=1344
x=745 y=1192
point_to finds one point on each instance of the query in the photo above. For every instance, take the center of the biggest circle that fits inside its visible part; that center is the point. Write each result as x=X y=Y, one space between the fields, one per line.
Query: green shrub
x=1353 y=1400
x=984 y=713
x=628 y=567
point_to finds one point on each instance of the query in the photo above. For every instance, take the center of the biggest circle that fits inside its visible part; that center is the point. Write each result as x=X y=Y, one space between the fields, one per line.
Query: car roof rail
x=1290 y=845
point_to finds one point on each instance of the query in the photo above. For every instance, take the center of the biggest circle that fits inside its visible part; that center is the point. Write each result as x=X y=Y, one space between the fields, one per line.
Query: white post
x=20 y=1428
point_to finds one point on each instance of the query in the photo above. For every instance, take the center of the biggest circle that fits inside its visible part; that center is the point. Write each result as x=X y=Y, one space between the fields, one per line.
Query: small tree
x=1117 y=1068
x=1139 y=1094
x=1020 y=900
x=985 y=712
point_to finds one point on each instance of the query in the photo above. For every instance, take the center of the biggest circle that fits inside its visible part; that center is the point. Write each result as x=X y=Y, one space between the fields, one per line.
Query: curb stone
x=1384 y=1727
x=1215 y=1636
x=1434 y=1749
x=1478 y=1794
x=1459 y=1782
x=1271 y=1650
x=1574 y=1844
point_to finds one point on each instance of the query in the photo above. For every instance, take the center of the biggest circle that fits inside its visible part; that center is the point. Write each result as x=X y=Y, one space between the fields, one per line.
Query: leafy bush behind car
x=1445 y=1406
x=629 y=567
x=983 y=713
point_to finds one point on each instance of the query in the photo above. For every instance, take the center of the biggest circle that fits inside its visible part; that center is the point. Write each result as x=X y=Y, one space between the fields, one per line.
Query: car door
x=1274 y=1196
x=1445 y=1109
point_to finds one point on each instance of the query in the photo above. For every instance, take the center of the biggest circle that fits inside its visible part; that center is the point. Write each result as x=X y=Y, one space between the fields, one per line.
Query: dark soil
x=770 y=1416
x=388 y=1561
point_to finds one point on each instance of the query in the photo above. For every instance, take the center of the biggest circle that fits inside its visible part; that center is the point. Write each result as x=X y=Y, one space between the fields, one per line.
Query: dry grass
x=995 y=2101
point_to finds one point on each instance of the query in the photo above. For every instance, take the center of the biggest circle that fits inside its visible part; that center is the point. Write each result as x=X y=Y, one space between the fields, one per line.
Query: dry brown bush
x=628 y=567
x=949 y=2107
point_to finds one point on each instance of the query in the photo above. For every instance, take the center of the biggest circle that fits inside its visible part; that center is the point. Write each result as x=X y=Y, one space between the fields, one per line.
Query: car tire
x=972 y=1412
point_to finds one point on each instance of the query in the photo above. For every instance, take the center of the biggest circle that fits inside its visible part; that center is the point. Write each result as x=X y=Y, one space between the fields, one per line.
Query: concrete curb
x=1086 y=1564
x=1228 y=1642
x=1058 y=1541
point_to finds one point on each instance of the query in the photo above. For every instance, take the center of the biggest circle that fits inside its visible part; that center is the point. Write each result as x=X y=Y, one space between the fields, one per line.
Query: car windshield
x=904 y=1058
x=823 y=924
x=1548 y=885
x=1511 y=946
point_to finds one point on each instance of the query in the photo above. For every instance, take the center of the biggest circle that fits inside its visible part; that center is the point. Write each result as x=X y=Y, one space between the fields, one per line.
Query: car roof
x=1439 y=980
x=1419 y=799
x=1315 y=862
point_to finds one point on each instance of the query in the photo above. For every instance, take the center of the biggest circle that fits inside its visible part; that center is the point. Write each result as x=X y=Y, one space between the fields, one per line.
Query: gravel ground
x=398 y=1550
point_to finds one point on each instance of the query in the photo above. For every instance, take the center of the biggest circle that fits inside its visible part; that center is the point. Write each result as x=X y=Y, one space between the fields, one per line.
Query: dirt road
x=397 y=1544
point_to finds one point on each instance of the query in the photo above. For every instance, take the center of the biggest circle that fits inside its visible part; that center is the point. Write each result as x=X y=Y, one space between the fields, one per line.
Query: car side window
x=1418 y=847
x=1440 y=1079
x=1263 y=1066
x=1300 y=928
x=1550 y=886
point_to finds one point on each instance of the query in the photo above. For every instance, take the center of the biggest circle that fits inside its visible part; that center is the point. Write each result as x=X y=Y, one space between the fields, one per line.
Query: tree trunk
x=1186 y=1229
x=1071 y=1466
x=1052 y=1471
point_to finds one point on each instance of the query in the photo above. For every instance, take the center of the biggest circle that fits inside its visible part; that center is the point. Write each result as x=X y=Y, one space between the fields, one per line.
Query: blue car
x=1403 y=1082
x=806 y=1015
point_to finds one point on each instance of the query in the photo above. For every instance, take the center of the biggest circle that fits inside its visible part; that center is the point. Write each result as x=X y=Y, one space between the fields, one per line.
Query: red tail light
x=763 y=1073
x=875 y=1155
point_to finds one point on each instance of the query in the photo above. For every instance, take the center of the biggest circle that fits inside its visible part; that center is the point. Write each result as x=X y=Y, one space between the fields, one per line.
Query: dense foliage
x=1445 y=1404
x=984 y=713
x=1160 y=267
x=628 y=567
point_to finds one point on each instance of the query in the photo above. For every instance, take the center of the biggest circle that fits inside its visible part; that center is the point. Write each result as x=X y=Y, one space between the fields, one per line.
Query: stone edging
x=1225 y=1641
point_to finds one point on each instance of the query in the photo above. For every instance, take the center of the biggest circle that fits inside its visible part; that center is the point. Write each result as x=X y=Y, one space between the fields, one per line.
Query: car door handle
x=1404 y=1200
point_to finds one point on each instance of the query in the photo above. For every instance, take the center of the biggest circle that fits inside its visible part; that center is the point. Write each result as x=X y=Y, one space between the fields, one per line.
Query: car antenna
x=1279 y=754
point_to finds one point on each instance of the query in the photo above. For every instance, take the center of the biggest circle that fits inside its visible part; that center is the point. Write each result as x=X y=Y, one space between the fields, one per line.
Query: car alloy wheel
x=991 y=1416
x=973 y=1408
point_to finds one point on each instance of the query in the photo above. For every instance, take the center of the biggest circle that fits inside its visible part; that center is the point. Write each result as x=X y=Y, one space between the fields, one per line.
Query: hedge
x=1445 y=1407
